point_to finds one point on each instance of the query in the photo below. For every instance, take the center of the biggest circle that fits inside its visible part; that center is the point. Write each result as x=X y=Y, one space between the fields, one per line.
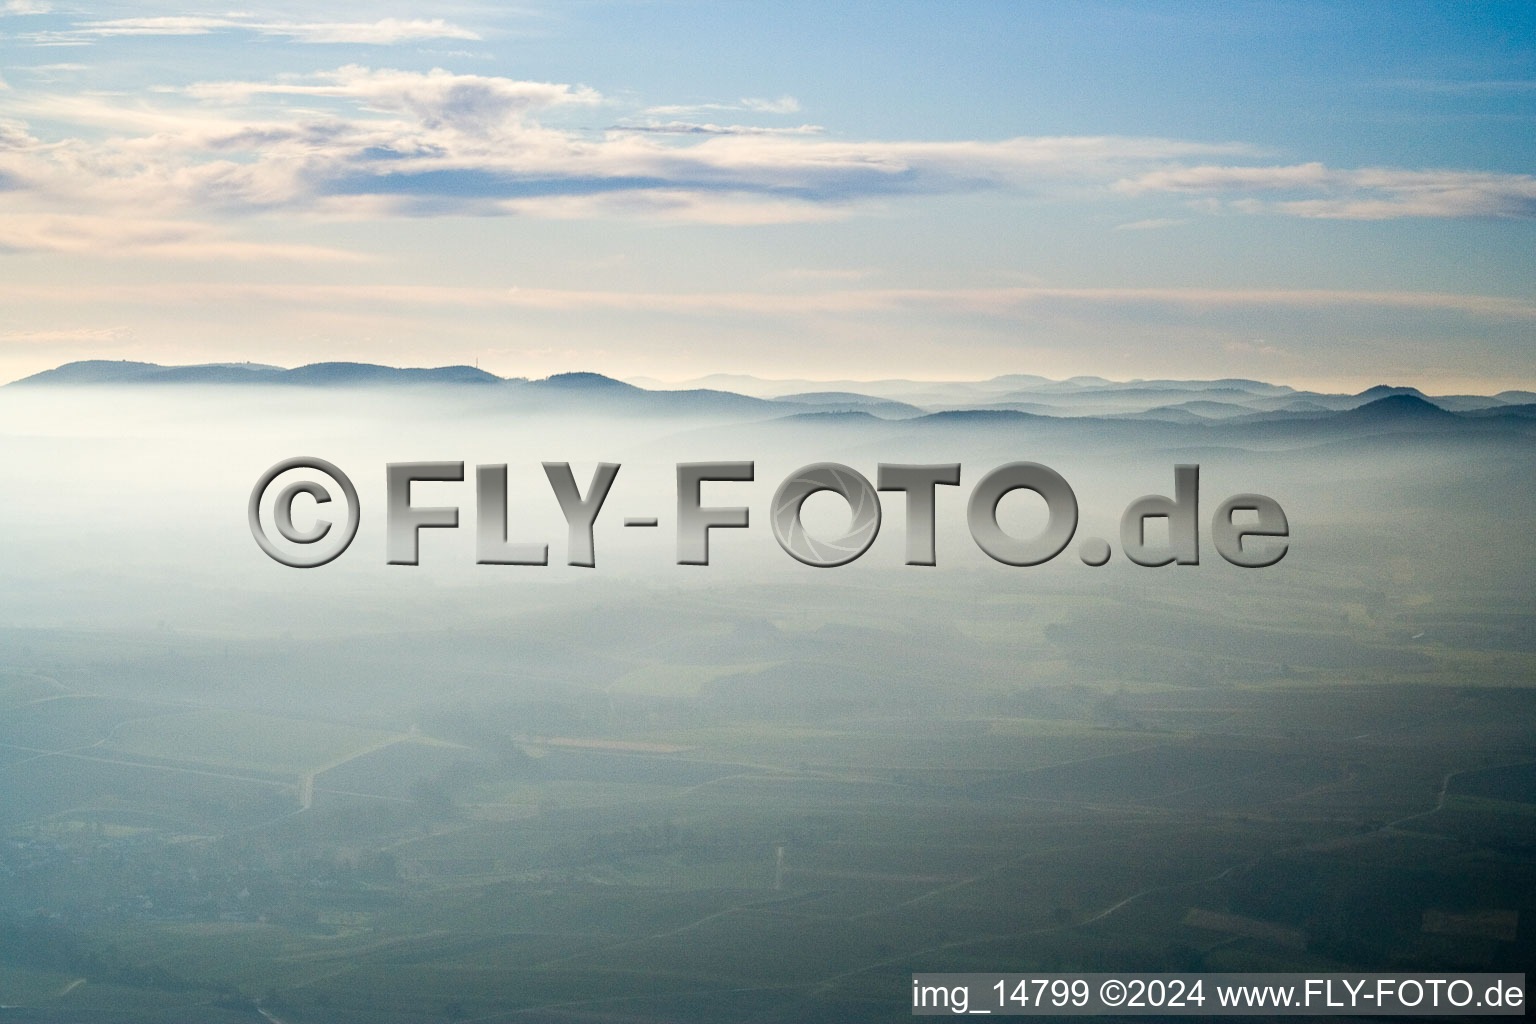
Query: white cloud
x=169 y=26
x=1219 y=179
x=382 y=33
x=15 y=137
x=696 y=128
x=783 y=105
x=433 y=51
x=438 y=142
x=678 y=206
x=385 y=32
x=435 y=99
x=1373 y=193
x=391 y=142
x=26 y=7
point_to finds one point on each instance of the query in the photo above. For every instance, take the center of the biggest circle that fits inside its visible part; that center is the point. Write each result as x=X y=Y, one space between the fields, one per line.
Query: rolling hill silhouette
x=1226 y=411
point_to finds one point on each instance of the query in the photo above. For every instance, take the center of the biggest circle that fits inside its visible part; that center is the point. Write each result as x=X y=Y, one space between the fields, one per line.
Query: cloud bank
x=365 y=142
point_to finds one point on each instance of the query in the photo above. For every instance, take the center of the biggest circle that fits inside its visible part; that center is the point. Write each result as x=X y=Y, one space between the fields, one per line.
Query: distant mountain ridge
x=1228 y=405
x=103 y=371
x=558 y=390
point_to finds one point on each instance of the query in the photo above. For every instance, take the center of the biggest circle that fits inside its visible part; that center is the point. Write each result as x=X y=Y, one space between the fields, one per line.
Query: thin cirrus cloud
x=384 y=32
x=676 y=206
x=92 y=337
x=1373 y=193
x=1152 y=224
x=696 y=128
x=783 y=105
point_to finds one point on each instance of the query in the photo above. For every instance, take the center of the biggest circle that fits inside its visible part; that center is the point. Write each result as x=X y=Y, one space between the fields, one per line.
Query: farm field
x=670 y=857
x=765 y=802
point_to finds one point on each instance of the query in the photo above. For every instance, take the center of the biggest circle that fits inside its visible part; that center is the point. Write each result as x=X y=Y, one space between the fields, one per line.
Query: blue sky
x=1324 y=194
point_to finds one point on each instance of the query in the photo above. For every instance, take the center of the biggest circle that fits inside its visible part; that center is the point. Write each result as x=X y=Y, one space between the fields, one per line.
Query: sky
x=1325 y=195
